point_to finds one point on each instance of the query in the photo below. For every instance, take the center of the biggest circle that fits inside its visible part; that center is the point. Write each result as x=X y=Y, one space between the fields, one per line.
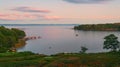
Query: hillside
x=28 y=59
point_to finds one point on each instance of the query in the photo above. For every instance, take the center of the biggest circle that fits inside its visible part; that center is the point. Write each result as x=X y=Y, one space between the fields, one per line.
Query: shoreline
x=21 y=43
x=98 y=27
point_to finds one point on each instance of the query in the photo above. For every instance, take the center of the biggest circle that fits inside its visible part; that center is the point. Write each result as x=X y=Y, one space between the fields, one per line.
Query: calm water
x=59 y=39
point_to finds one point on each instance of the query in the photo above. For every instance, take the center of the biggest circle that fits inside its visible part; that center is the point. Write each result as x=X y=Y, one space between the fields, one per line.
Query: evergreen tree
x=111 y=42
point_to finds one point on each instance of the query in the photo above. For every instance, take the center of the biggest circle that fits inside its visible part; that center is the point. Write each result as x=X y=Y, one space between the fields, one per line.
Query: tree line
x=9 y=37
x=99 y=27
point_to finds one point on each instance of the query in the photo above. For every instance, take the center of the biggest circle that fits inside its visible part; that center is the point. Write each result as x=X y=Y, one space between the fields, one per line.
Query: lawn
x=28 y=59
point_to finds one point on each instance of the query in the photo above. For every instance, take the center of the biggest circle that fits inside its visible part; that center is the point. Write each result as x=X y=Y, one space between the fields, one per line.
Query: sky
x=59 y=11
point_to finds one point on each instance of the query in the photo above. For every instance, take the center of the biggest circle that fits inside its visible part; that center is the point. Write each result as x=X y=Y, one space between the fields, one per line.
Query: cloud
x=52 y=17
x=86 y=1
x=29 y=14
x=12 y=17
x=18 y=17
x=30 y=9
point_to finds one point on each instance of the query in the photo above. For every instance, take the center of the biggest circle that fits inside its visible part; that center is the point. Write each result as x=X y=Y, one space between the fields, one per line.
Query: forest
x=9 y=37
x=99 y=27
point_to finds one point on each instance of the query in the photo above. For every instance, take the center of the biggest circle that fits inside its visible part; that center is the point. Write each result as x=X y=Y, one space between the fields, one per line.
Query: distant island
x=99 y=27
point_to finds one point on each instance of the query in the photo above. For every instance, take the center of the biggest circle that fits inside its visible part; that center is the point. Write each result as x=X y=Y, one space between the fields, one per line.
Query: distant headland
x=99 y=27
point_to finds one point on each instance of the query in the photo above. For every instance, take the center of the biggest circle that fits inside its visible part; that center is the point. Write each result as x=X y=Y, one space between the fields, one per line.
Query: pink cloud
x=19 y=16
x=30 y=9
x=105 y=17
x=111 y=17
x=27 y=17
x=52 y=17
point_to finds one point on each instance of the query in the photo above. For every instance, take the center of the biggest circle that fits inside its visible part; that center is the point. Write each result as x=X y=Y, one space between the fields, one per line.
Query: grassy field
x=28 y=59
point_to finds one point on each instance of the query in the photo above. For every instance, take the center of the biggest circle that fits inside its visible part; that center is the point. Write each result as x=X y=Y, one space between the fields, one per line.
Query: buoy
x=76 y=34
x=50 y=47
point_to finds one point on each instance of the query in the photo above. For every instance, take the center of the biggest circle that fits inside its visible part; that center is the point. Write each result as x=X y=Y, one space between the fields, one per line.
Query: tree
x=19 y=33
x=9 y=37
x=111 y=42
x=83 y=49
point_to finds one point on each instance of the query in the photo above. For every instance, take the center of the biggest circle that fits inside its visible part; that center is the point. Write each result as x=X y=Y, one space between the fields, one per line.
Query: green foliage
x=99 y=27
x=3 y=49
x=19 y=33
x=19 y=59
x=111 y=42
x=9 y=37
x=83 y=49
x=28 y=59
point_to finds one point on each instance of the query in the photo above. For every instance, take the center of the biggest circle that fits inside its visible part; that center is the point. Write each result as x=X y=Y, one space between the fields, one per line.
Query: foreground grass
x=28 y=59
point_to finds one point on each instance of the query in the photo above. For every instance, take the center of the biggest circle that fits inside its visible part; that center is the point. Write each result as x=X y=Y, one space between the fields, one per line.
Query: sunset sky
x=59 y=11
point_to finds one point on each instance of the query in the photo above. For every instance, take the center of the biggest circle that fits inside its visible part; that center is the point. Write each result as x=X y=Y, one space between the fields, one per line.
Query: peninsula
x=99 y=27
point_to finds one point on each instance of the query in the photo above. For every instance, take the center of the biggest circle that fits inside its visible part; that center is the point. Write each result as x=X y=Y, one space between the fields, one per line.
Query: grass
x=28 y=59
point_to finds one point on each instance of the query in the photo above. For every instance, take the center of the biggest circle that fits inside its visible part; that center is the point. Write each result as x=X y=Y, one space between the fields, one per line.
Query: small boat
x=50 y=47
x=76 y=34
